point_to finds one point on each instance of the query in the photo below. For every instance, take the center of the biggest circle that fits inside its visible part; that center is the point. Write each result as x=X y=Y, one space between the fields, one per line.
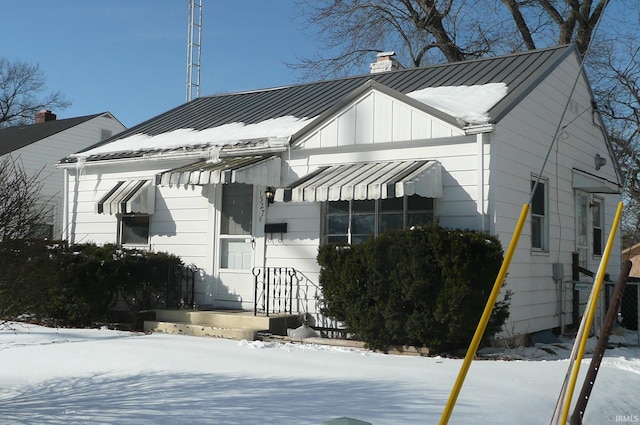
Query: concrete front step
x=199 y=330
x=221 y=324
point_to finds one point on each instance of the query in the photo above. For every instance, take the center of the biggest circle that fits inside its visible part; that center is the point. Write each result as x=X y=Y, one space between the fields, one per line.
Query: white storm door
x=582 y=227
x=236 y=248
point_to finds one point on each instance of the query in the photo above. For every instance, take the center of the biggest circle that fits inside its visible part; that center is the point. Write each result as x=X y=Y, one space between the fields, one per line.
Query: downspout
x=480 y=179
x=480 y=130
x=65 y=205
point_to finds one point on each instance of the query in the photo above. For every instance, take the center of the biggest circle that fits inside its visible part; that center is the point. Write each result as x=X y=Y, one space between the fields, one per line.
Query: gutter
x=230 y=149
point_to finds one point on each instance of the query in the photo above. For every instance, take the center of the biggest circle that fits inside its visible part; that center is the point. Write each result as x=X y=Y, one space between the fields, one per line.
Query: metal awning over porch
x=593 y=184
x=263 y=170
x=128 y=197
x=369 y=180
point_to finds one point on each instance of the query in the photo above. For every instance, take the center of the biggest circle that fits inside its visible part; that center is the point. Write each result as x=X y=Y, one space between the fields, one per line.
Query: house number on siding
x=261 y=206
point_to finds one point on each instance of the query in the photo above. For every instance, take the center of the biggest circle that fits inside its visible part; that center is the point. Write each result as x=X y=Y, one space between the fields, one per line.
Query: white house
x=40 y=145
x=256 y=181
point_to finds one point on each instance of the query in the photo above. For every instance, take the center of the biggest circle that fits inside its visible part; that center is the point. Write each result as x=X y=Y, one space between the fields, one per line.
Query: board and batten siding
x=519 y=147
x=375 y=118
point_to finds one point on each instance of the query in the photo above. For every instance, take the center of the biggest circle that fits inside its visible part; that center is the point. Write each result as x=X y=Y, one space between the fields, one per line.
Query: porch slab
x=219 y=324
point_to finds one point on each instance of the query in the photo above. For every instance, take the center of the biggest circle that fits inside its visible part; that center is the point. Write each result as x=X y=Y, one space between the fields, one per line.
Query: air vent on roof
x=105 y=134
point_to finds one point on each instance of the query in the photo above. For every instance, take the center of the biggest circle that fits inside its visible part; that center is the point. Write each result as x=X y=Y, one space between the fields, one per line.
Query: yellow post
x=484 y=320
x=593 y=301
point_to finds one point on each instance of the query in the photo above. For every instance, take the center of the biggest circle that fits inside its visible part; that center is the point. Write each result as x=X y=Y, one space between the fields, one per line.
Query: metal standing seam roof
x=521 y=72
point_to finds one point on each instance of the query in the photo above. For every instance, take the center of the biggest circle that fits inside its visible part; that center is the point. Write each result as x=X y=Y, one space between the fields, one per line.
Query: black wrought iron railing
x=287 y=290
x=181 y=287
x=273 y=289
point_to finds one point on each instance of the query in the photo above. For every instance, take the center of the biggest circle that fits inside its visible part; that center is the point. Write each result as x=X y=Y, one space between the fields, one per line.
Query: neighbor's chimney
x=386 y=62
x=45 y=115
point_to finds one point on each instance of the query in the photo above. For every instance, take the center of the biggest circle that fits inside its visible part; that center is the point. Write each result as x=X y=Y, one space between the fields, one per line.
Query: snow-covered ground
x=100 y=376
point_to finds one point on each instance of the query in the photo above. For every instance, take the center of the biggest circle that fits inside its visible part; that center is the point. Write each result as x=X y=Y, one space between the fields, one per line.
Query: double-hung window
x=355 y=221
x=539 y=222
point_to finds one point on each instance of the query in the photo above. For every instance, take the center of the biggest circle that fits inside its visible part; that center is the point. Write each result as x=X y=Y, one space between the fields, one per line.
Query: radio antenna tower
x=193 y=49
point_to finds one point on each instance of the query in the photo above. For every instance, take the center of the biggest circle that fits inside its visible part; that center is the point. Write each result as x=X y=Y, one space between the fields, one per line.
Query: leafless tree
x=424 y=32
x=22 y=93
x=22 y=208
x=617 y=85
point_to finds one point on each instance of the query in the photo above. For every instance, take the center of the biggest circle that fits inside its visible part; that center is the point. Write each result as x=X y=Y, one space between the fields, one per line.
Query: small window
x=135 y=230
x=539 y=215
x=596 y=213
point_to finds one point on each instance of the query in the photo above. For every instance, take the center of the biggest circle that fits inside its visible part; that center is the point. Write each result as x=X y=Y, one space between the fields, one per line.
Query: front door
x=582 y=226
x=236 y=247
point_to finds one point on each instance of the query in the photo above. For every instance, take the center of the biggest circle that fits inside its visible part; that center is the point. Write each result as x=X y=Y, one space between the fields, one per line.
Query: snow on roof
x=227 y=134
x=470 y=103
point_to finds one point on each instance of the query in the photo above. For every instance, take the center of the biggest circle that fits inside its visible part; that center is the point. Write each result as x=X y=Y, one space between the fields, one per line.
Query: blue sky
x=129 y=57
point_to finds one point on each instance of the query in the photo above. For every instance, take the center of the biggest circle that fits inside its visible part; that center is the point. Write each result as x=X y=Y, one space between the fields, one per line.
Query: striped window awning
x=263 y=170
x=129 y=197
x=371 y=180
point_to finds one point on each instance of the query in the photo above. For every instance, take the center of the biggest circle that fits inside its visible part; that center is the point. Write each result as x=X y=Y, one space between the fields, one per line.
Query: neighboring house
x=633 y=254
x=262 y=178
x=40 y=145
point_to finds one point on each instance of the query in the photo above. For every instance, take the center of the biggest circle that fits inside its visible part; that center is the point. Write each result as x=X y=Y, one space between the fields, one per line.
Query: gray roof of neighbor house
x=14 y=138
x=521 y=72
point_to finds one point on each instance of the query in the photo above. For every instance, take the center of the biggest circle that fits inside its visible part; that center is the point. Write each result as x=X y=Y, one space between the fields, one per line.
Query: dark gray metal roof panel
x=521 y=72
x=14 y=138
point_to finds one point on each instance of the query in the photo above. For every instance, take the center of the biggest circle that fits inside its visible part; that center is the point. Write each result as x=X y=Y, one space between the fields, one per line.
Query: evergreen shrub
x=78 y=285
x=425 y=287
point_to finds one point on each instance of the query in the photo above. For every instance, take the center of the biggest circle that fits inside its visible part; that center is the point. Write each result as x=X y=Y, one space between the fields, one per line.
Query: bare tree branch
x=22 y=209
x=21 y=93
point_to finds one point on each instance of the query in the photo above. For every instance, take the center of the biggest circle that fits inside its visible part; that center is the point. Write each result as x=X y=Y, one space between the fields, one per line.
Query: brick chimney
x=45 y=115
x=386 y=62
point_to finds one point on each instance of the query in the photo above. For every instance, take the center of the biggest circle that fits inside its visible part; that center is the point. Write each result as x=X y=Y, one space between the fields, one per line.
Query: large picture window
x=355 y=221
x=539 y=223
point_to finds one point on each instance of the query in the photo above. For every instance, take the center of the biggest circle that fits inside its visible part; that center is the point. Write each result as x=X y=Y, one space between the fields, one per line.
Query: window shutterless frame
x=539 y=221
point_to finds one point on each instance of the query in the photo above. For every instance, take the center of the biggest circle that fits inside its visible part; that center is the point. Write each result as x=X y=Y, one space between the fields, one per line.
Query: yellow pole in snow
x=484 y=320
x=593 y=301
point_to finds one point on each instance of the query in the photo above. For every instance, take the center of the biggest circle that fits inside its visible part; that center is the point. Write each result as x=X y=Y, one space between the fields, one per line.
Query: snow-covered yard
x=100 y=376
